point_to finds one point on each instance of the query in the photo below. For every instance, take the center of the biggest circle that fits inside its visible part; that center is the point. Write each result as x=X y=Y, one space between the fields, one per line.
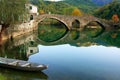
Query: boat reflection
x=9 y=74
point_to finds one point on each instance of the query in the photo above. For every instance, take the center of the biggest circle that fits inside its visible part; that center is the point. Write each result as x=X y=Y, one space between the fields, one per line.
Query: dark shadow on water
x=21 y=75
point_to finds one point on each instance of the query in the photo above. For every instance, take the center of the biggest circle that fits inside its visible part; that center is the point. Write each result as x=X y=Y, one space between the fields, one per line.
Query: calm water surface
x=75 y=56
x=79 y=63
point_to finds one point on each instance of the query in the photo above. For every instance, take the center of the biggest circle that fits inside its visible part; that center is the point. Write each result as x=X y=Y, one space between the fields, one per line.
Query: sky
x=53 y=0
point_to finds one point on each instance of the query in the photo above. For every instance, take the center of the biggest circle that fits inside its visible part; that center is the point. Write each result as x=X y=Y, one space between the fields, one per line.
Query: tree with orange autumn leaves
x=115 y=18
x=77 y=12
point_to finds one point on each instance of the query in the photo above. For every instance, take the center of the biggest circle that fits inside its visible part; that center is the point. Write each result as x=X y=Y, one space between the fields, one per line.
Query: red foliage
x=115 y=18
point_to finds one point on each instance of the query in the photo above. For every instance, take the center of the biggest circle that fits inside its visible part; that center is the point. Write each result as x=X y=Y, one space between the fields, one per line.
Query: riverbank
x=19 y=29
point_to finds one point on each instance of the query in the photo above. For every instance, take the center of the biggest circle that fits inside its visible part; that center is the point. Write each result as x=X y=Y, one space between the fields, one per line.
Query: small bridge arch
x=75 y=23
x=98 y=22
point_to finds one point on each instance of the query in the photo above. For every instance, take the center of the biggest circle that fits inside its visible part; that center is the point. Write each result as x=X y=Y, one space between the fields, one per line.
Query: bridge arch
x=98 y=22
x=56 y=18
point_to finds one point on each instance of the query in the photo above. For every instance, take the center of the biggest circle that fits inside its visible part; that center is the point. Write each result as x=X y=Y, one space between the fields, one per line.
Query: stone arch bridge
x=68 y=20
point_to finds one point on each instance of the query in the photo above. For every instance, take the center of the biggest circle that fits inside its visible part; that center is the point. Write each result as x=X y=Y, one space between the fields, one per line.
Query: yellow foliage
x=41 y=12
x=77 y=12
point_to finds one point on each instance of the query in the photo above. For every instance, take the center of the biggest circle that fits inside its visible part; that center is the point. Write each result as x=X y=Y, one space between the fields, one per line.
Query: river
x=73 y=55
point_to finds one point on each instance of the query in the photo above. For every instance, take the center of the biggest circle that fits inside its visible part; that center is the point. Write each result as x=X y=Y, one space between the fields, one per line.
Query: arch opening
x=76 y=24
x=94 y=29
x=51 y=30
x=54 y=18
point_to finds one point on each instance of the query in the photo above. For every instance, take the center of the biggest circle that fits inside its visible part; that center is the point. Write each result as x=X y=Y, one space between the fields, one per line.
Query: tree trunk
x=4 y=26
x=0 y=38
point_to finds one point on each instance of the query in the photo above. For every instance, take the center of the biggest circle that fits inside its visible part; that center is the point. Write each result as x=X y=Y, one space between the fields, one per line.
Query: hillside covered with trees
x=109 y=10
x=100 y=8
x=66 y=6
x=52 y=7
x=86 y=6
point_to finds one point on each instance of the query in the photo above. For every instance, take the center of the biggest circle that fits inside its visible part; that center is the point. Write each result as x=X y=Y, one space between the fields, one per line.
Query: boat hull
x=32 y=67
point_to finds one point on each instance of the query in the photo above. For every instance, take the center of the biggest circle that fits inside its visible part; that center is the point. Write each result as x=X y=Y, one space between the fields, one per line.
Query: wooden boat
x=21 y=65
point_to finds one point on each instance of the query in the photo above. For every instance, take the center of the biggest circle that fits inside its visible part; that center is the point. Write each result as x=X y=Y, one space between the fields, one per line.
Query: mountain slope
x=78 y=2
x=52 y=7
x=109 y=10
x=86 y=6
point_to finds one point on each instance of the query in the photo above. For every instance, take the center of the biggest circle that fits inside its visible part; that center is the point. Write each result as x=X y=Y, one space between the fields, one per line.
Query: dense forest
x=109 y=10
x=54 y=7
x=86 y=6
x=66 y=6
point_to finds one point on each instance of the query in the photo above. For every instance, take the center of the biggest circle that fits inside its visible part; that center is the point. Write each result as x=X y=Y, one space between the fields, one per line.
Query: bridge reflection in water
x=24 y=46
x=73 y=35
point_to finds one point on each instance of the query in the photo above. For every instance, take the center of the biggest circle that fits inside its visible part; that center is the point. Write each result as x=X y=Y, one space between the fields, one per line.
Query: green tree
x=11 y=11
x=69 y=10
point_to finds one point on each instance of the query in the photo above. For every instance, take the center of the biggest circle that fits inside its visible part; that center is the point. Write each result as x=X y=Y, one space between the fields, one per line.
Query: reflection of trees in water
x=17 y=52
x=9 y=74
x=51 y=30
x=75 y=35
x=48 y=34
x=22 y=47
x=53 y=34
x=18 y=49
x=111 y=38
x=89 y=36
x=72 y=37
